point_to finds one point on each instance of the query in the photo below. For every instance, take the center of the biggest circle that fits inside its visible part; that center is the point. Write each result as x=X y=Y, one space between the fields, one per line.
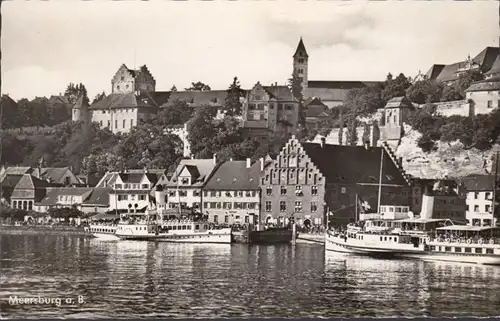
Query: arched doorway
x=307 y=223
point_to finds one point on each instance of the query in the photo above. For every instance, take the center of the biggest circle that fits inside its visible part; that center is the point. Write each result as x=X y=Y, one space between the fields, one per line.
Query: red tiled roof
x=123 y=101
x=236 y=176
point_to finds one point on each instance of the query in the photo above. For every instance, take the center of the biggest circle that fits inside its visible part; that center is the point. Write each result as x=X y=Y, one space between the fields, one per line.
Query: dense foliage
x=480 y=131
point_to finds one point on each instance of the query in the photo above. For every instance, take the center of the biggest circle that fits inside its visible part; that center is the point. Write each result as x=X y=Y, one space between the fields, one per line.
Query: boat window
x=479 y=250
x=136 y=228
x=174 y=227
x=381 y=238
x=468 y=250
x=432 y=247
x=197 y=227
x=395 y=239
x=447 y=249
x=458 y=249
x=489 y=251
x=390 y=238
x=183 y=227
x=385 y=238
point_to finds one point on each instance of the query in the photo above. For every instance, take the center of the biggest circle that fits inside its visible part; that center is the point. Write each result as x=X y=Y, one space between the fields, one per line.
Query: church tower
x=80 y=111
x=300 y=63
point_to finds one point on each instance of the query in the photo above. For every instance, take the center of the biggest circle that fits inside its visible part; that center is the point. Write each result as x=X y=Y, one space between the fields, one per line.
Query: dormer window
x=185 y=180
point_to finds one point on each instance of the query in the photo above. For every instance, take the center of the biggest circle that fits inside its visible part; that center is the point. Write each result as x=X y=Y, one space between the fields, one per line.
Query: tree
x=352 y=133
x=99 y=97
x=341 y=128
x=451 y=93
x=466 y=79
x=173 y=88
x=10 y=113
x=198 y=86
x=73 y=92
x=424 y=91
x=395 y=87
x=295 y=85
x=366 y=133
x=233 y=106
x=363 y=101
x=176 y=113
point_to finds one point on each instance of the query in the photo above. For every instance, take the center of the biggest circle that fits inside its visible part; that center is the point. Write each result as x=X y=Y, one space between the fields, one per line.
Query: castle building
x=267 y=107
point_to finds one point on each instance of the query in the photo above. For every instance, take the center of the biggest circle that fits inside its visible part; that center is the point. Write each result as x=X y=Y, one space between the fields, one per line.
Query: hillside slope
x=450 y=159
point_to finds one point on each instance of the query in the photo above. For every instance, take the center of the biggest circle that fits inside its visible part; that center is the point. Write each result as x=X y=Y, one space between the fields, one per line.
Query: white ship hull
x=106 y=236
x=364 y=247
x=473 y=259
x=222 y=236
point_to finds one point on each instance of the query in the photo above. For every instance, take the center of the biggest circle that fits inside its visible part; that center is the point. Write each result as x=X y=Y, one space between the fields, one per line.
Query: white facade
x=479 y=207
x=182 y=133
x=484 y=101
x=232 y=206
x=130 y=196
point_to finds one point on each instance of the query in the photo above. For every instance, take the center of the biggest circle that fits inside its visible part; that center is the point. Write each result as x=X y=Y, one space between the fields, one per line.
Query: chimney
x=249 y=162
x=215 y=158
x=261 y=163
x=323 y=139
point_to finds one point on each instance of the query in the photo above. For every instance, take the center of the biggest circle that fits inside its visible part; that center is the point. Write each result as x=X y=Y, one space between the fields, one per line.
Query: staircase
x=397 y=161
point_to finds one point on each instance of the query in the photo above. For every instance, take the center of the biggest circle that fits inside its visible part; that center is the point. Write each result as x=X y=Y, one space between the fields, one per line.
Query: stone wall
x=450 y=108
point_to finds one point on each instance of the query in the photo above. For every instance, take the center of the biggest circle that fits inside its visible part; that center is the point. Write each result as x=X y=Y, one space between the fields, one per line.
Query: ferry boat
x=462 y=243
x=103 y=226
x=175 y=230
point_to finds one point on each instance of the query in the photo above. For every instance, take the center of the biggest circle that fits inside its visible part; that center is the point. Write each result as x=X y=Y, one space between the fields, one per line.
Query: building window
x=171 y=193
x=109 y=123
x=142 y=197
x=216 y=219
x=145 y=186
x=283 y=190
x=282 y=206
x=247 y=219
x=487 y=208
x=314 y=206
x=298 y=206
x=124 y=123
x=490 y=103
x=269 y=191
x=131 y=123
x=476 y=195
x=298 y=190
x=116 y=123
x=314 y=190
x=300 y=71
x=476 y=208
x=343 y=190
x=301 y=60
x=118 y=87
x=268 y=206
x=226 y=218
x=487 y=195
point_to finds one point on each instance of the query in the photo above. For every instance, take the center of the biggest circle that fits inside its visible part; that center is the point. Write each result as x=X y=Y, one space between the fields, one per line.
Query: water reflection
x=140 y=279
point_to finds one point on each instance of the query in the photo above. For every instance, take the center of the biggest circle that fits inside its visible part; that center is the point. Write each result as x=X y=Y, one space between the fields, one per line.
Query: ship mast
x=380 y=180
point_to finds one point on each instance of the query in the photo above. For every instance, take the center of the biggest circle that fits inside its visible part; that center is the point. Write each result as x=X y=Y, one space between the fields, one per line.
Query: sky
x=46 y=45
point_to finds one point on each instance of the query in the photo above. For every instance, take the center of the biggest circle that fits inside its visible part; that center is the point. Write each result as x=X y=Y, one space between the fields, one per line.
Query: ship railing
x=479 y=241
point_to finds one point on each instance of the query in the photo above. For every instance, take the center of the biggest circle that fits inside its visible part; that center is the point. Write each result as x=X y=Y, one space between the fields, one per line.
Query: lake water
x=142 y=279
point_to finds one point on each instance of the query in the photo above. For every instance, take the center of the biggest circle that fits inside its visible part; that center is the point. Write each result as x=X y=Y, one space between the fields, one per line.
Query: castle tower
x=80 y=111
x=126 y=81
x=300 y=63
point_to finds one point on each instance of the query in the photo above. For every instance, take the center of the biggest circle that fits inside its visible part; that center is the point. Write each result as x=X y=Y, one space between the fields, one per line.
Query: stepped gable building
x=331 y=92
x=232 y=195
x=309 y=180
x=447 y=74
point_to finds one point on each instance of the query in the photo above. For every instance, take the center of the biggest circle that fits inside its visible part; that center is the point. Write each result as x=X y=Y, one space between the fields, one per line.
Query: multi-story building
x=265 y=107
x=184 y=188
x=131 y=190
x=483 y=96
x=232 y=195
x=309 y=180
x=63 y=197
x=480 y=199
x=28 y=191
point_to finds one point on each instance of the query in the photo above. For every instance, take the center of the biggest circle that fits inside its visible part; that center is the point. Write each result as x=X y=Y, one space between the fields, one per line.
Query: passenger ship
x=104 y=227
x=175 y=230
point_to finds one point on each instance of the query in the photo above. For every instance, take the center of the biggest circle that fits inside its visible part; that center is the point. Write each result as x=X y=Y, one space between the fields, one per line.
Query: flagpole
x=356 y=213
x=493 y=207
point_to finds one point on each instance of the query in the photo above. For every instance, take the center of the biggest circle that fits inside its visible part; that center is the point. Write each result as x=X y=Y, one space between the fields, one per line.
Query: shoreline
x=43 y=229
